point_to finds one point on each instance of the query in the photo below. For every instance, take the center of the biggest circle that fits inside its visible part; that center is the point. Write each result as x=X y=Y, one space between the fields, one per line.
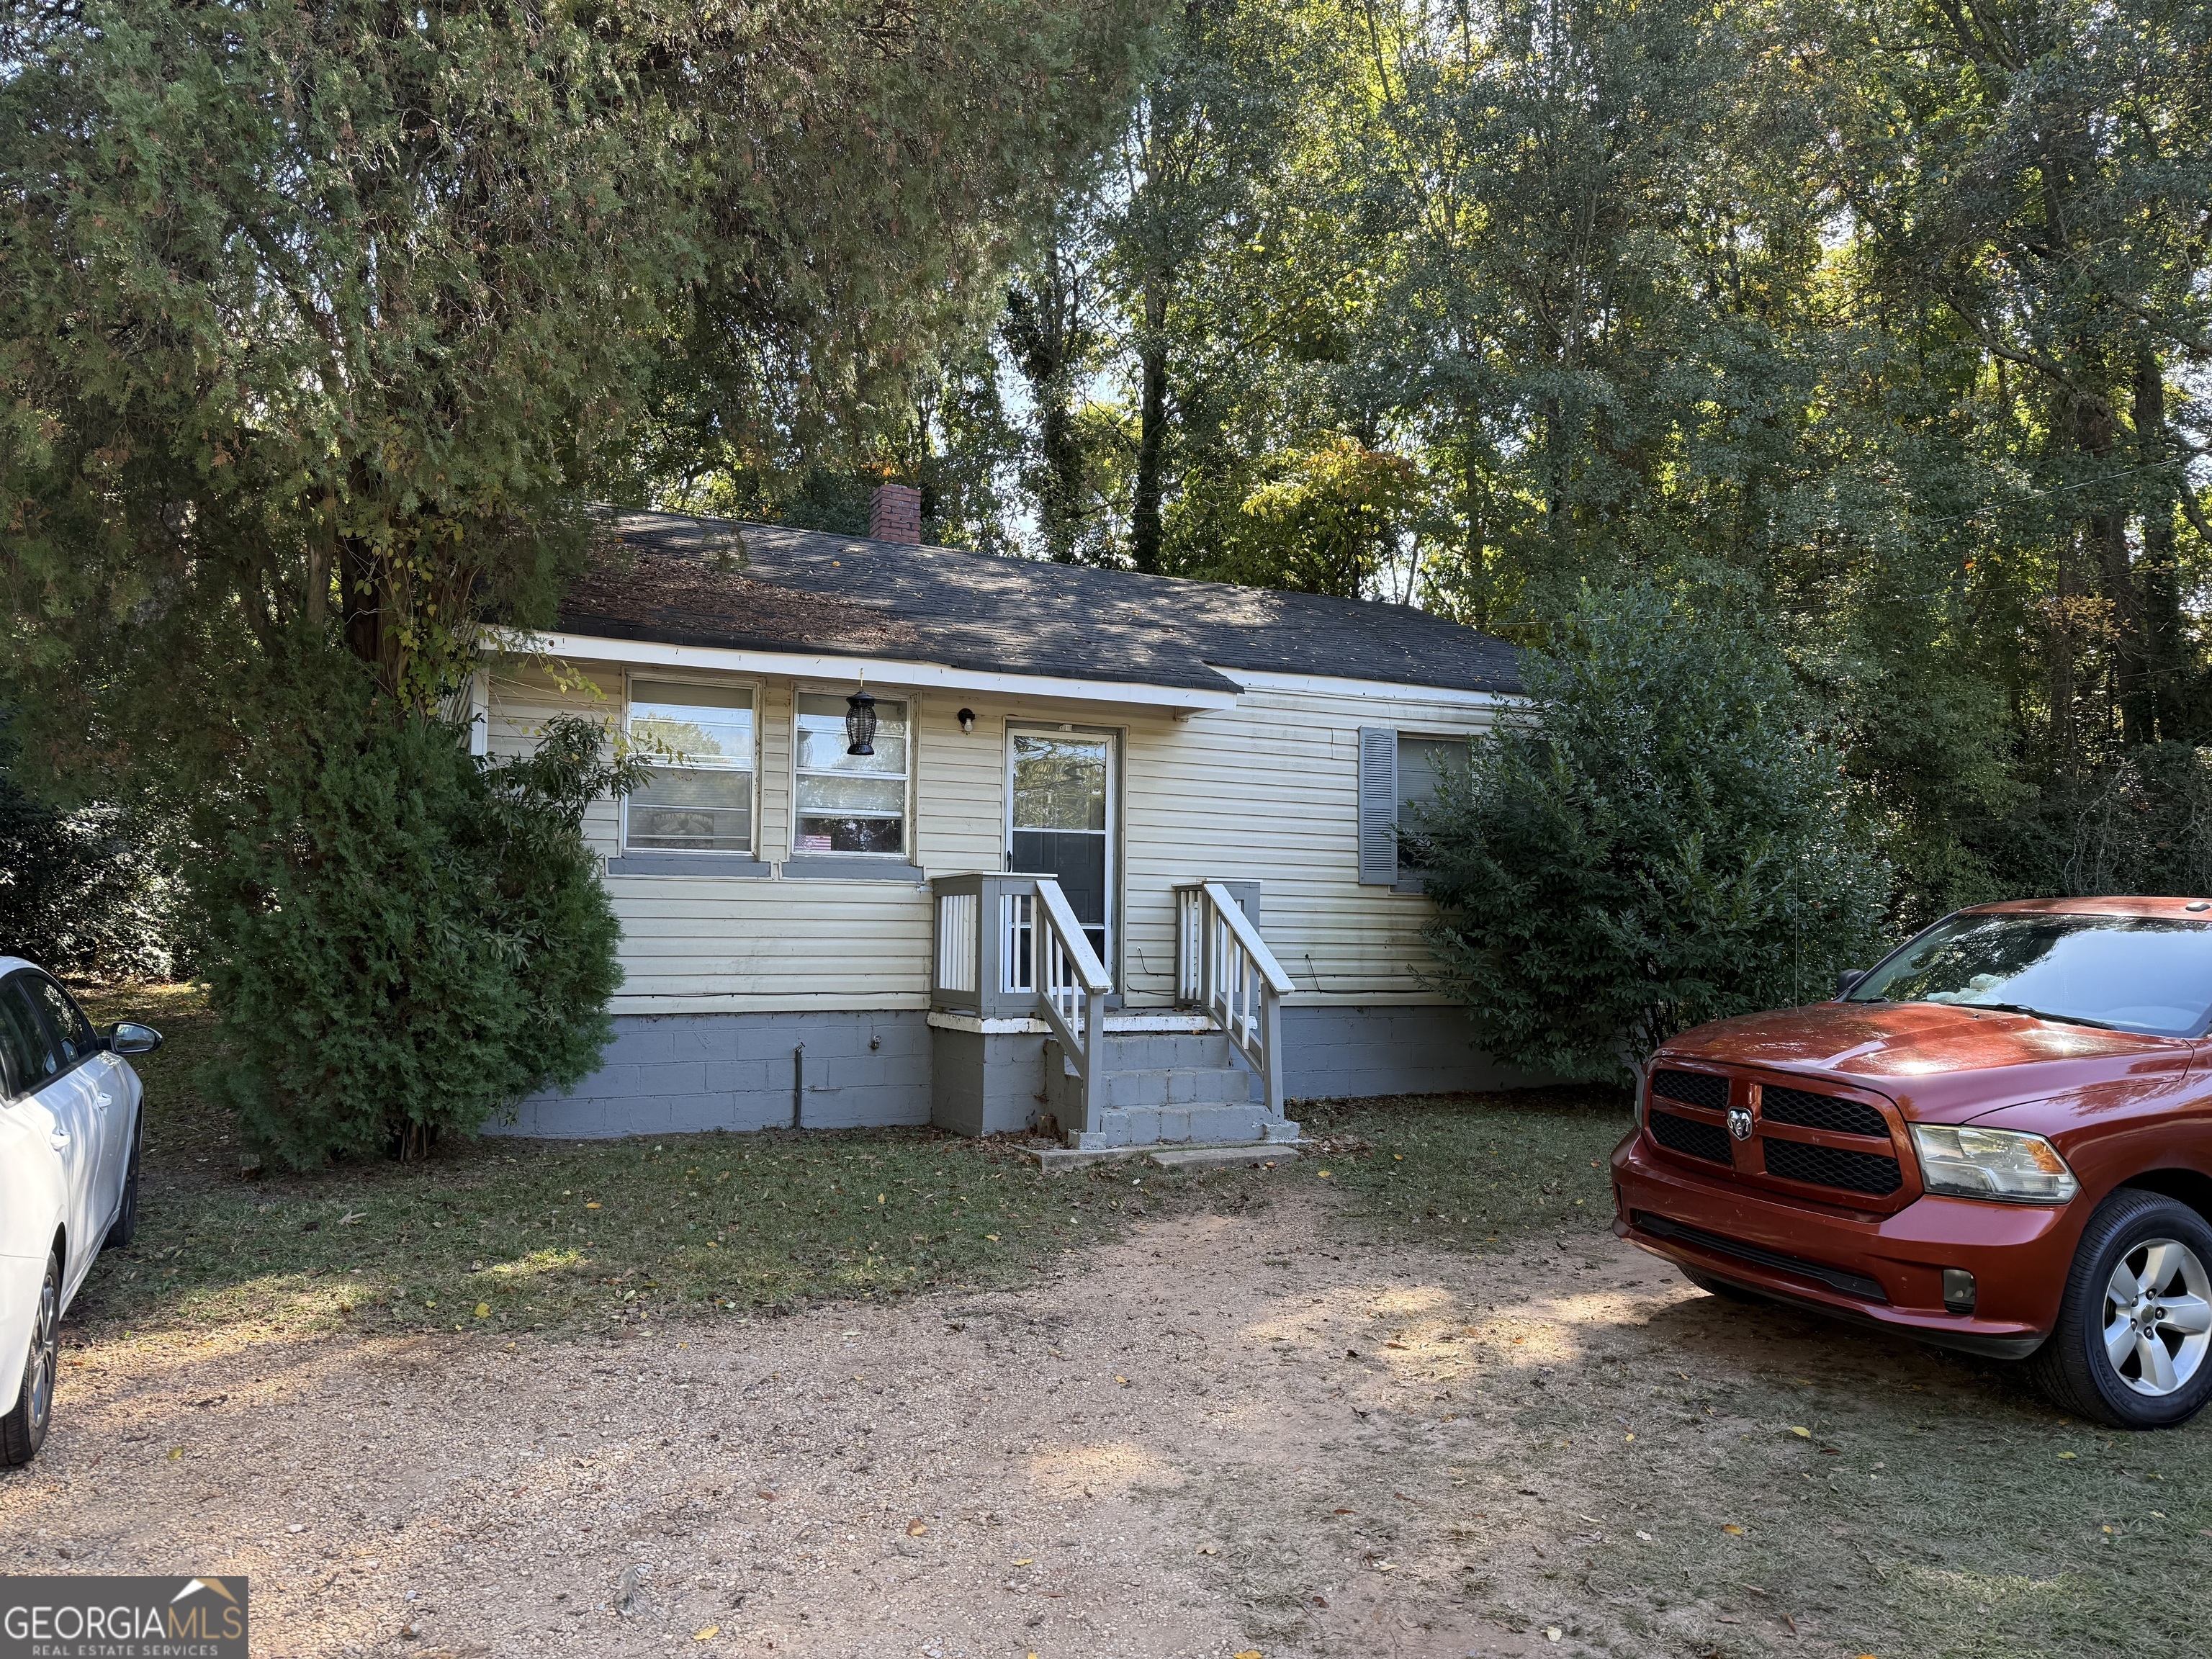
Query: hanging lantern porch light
x=860 y=723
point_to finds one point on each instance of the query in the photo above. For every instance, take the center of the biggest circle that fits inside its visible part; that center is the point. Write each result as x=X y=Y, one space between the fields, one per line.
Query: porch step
x=1161 y=1089
x=1139 y=1051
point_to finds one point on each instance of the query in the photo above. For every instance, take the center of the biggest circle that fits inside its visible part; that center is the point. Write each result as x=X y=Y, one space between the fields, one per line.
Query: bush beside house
x=1659 y=842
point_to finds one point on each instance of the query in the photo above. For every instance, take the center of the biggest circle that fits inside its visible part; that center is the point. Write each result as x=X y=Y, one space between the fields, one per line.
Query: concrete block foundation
x=688 y=1073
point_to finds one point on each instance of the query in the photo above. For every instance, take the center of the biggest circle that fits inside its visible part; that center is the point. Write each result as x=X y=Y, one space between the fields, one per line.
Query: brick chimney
x=895 y=513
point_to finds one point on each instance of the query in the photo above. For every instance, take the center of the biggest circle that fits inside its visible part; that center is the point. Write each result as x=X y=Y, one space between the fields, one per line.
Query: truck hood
x=1940 y=1062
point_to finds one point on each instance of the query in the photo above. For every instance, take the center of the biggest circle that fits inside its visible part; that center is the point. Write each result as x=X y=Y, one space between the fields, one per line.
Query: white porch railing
x=1071 y=987
x=1224 y=968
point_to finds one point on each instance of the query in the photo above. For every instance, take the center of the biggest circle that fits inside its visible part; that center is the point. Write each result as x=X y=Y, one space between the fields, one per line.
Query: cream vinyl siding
x=1265 y=791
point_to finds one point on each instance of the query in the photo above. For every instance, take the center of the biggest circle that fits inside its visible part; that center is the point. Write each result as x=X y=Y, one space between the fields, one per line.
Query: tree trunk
x=2105 y=530
x=360 y=601
x=1151 y=436
x=2165 y=637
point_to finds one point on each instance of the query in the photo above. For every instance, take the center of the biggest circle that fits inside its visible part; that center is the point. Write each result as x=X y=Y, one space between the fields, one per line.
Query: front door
x=1060 y=819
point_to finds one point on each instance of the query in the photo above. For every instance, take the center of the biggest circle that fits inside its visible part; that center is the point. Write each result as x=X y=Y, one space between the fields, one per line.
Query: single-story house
x=995 y=844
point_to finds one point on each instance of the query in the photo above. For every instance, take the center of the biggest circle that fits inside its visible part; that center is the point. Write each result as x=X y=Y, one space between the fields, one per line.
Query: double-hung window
x=700 y=796
x=849 y=803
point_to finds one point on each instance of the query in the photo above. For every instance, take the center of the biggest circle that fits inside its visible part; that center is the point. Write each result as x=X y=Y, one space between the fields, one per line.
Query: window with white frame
x=848 y=803
x=700 y=796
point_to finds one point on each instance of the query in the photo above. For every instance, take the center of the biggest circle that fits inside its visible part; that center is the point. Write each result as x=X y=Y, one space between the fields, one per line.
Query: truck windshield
x=2149 y=974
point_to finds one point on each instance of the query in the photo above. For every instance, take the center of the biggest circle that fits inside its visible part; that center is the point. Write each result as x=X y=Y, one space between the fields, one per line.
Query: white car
x=69 y=1137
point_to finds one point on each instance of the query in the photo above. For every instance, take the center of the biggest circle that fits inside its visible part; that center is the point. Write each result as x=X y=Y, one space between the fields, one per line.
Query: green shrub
x=1657 y=841
x=85 y=894
x=403 y=940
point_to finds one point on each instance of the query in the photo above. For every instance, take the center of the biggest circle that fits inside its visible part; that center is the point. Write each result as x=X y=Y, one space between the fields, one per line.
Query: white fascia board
x=880 y=671
x=1326 y=685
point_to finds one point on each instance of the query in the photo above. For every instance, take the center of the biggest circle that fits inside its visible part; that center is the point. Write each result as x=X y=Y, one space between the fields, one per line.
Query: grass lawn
x=506 y=1234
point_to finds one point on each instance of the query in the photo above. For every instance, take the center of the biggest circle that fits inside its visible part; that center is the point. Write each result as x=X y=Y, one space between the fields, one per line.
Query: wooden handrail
x=1232 y=913
x=1225 y=967
x=1084 y=959
x=1071 y=985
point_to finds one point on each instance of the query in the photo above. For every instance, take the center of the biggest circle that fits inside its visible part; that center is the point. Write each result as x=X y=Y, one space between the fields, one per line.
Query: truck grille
x=1692 y=1089
x=1831 y=1166
x=1687 y=1134
x=1815 y=1111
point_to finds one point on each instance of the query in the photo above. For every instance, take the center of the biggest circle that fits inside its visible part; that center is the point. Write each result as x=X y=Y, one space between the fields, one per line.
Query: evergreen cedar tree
x=320 y=319
x=1655 y=842
x=403 y=939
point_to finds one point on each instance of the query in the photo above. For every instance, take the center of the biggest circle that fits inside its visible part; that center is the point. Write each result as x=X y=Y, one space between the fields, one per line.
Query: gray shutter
x=1378 y=806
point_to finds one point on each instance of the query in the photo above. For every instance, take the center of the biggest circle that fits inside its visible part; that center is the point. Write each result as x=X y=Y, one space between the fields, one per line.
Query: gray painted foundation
x=687 y=1073
x=1347 y=1053
x=987 y=1083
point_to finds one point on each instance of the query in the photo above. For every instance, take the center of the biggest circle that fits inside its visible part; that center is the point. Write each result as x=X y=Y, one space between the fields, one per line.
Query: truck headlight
x=2004 y=1163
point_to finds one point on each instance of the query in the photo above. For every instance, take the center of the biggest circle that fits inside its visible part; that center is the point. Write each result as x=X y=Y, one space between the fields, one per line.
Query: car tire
x=1721 y=1287
x=125 y=1227
x=2099 y=1361
x=23 y=1430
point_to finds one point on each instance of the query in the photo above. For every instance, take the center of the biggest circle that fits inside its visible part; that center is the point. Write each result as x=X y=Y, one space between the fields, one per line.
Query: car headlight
x=1992 y=1163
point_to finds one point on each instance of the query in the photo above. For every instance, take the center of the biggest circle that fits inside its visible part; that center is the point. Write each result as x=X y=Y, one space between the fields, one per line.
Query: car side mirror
x=130 y=1037
x=1847 y=979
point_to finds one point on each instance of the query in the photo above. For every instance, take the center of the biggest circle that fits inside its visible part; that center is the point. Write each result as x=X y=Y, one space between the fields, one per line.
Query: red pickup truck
x=1999 y=1138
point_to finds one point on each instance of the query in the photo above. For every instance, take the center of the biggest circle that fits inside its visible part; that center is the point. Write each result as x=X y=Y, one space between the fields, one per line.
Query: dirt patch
x=1222 y=1434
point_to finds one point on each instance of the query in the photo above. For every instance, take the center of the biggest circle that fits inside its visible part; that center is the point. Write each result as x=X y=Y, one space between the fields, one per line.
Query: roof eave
x=885 y=671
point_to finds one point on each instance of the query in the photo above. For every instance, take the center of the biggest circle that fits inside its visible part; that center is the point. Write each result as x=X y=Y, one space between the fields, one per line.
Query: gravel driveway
x=1221 y=1435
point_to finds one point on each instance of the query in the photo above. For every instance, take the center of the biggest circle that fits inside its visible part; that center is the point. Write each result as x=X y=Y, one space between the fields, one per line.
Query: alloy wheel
x=2157 y=1317
x=38 y=1376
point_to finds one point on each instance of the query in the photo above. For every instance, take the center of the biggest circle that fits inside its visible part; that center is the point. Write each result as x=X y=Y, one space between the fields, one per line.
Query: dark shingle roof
x=802 y=590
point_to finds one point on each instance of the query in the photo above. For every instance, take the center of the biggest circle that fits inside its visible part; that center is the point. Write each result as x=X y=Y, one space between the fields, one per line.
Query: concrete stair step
x=1213 y=1125
x=1176 y=1086
x=1151 y=1050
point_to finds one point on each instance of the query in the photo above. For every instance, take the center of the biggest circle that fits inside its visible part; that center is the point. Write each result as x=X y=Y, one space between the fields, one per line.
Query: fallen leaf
x=1123 y=1381
x=175 y=1452
x=1629 y=1437
x=484 y=1310
x=1733 y=1528
x=993 y=1237
x=915 y=1527
x=1248 y=1653
x=1394 y=1345
x=1026 y=1561
x=591 y=1206
x=1340 y=1511
x=1803 y=1434
x=1325 y=1175
x=2066 y=1454
x=768 y=1495
x=705 y=1633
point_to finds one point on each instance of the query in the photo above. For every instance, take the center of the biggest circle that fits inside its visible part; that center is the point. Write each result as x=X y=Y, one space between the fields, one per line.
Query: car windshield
x=2150 y=973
